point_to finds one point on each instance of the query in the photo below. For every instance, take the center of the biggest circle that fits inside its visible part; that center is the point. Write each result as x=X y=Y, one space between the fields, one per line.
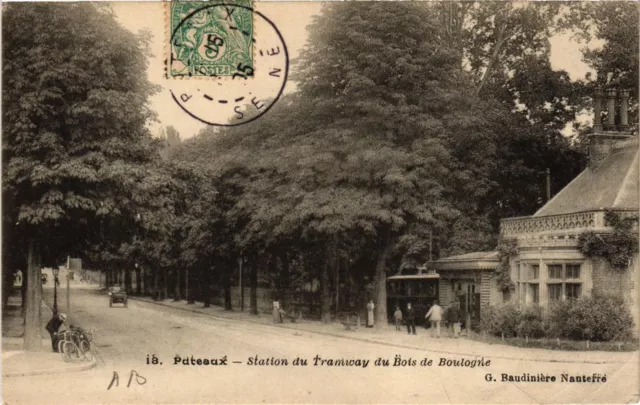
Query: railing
x=552 y=223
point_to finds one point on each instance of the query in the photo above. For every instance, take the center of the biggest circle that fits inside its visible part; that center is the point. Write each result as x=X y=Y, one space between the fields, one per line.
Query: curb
x=400 y=345
x=60 y=370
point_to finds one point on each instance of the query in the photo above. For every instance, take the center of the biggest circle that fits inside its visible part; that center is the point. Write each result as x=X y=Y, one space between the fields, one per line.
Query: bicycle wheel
x=72 y=352
x=86 y=349
x=61 y=346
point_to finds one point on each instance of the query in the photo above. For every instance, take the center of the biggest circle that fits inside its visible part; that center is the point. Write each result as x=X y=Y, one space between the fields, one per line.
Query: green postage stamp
x=210 y=39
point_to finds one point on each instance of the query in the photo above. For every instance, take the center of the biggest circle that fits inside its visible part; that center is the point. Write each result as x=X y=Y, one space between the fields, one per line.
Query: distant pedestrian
x=435 y=317
x=277 y=312
x=398 y=317
x=53 y=327
x=370 y=320
x=454 y=318
x=411 y=319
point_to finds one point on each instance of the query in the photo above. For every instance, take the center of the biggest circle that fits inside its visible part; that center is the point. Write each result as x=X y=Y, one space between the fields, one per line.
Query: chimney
x=605 y=136
x=597 y=109
x=624 y=110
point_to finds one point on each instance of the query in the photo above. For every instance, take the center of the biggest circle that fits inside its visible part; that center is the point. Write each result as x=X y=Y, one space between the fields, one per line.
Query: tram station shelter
x=549 y=263
x=469 y=279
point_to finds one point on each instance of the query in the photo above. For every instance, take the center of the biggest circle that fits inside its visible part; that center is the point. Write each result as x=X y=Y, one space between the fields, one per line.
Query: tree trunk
x=33 y=314
x=285 y=282
x=336 y=261
x=253 y=282
x=138 y=281
x=165 y=287
x=380 y=288
x=7 y=287
x=23 y=292
x=226 y=281
x=206 y=290
x=326 y=293
x=190 y=282
x=127 y=281
x=155 y=282
x=177 y=294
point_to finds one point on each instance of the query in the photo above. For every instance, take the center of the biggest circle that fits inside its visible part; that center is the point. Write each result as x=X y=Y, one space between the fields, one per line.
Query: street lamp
x=55 y=271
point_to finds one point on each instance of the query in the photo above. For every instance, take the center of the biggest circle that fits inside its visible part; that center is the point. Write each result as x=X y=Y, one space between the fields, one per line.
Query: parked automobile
x=117 y=295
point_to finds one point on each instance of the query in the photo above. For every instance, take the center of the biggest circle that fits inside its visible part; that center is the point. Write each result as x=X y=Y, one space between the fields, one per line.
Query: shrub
x=530 y=322
x=599 y=318
x=595 y=318
x=499 y=319
x=556 y=320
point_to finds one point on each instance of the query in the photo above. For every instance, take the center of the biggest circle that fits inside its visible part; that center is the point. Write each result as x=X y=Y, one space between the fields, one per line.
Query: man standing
x=454 y=318
x=411 y=319
x=398 y=317
x=53 y=327
x=435 y=317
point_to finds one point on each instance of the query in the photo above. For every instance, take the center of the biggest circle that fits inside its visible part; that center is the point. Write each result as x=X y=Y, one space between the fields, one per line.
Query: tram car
x=420 y=289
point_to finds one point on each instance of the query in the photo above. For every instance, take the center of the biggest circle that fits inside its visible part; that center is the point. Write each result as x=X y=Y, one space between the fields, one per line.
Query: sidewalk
x=423 y=341
x=16 y=362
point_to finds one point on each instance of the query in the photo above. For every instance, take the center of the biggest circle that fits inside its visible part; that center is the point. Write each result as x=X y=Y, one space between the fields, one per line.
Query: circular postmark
x=228 y=63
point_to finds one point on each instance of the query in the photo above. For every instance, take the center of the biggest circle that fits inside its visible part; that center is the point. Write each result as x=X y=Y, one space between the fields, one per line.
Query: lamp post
x=56 y=271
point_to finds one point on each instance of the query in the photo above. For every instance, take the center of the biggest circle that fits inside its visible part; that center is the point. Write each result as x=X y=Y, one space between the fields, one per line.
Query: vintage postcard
x=240 y=201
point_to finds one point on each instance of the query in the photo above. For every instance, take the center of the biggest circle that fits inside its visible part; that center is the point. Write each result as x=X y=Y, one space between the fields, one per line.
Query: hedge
x=594 y=318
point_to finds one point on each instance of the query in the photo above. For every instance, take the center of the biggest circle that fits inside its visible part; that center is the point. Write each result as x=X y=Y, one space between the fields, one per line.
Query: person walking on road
x=454 y=318
x=398 y=317
x=411 y=319
x=53 y=327
x=435 y=317
x=370 y=319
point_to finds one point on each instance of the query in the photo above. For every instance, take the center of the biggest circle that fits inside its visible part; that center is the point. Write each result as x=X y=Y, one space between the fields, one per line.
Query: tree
x=171 y=140
x=74 y=133
x=378 y=148
x=506 y=48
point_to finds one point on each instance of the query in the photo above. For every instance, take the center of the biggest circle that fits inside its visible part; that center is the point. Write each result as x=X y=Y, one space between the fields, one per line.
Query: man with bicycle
x=53 y=327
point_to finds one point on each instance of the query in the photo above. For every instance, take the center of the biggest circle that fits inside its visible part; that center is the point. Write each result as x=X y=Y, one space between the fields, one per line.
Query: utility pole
x=186 y=286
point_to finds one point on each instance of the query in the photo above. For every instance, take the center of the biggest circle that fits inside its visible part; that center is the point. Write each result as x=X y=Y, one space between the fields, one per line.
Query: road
x=126 y=336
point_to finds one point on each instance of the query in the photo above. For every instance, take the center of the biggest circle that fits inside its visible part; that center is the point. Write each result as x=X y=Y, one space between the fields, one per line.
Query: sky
x=291 y=18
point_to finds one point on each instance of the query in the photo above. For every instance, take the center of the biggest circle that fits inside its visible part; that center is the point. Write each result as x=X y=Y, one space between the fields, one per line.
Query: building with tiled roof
x=549 y=264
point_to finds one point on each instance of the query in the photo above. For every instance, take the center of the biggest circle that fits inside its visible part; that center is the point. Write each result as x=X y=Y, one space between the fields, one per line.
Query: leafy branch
x=618 y=247
x=506 y=249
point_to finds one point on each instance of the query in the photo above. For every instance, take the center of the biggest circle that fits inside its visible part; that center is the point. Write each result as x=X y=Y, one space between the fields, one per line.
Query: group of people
x=434 y=316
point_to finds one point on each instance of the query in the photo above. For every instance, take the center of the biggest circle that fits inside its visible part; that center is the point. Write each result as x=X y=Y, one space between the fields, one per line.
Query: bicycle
x=76 y=344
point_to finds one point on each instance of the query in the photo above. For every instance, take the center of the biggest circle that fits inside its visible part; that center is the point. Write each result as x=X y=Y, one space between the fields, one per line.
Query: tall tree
x=378 y=146
x=73 y=129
